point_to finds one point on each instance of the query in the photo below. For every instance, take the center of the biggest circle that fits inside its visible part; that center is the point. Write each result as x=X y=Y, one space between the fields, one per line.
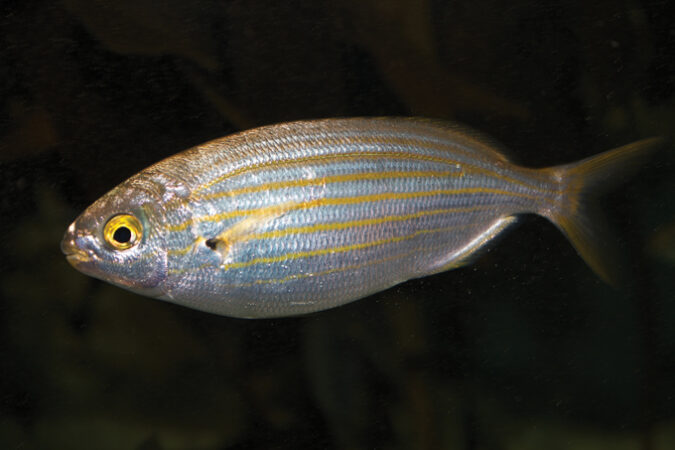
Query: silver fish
x=304 y=216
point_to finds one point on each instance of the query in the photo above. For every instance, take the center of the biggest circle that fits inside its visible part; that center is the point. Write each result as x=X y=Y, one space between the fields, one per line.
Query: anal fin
x=471 y=251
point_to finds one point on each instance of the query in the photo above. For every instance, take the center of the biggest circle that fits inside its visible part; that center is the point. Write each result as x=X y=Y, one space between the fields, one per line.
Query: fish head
x=119 y=237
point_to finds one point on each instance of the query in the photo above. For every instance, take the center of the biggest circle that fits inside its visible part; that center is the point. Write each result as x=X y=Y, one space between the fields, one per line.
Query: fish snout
x=74 y=254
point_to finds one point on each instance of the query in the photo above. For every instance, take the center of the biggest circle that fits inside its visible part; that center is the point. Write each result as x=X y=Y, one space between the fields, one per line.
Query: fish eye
x=122 y=232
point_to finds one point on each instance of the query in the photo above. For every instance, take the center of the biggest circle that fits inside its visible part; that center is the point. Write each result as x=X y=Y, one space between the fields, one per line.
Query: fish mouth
x=74 y=254
x=78 y=257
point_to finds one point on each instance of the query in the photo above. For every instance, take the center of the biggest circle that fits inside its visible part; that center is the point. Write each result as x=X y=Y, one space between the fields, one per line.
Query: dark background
x=525 y=349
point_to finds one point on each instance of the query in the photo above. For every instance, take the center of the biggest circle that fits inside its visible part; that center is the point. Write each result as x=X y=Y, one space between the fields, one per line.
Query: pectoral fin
x=244 y=229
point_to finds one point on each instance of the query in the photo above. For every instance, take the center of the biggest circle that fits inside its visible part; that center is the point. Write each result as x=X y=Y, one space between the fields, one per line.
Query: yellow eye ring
x=123 y=231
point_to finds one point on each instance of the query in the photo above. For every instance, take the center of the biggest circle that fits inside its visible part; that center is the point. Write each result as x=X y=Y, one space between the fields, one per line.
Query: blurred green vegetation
x=526 y=349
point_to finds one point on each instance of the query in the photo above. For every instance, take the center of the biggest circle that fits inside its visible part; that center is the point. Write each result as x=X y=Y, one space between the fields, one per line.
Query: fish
x=299 y=217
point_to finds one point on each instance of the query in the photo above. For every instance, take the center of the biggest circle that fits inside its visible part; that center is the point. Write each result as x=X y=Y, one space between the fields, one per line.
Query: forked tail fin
x=582 y=181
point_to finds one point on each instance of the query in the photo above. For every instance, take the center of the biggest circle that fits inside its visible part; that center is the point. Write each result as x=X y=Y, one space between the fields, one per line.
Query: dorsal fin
x=467 y=137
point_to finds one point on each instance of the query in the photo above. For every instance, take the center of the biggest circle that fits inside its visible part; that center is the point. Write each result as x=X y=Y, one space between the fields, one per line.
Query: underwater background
x=524 y=349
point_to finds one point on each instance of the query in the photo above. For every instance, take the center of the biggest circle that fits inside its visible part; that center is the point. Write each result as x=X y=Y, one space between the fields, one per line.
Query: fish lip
x=78 y=257
x=74 y=254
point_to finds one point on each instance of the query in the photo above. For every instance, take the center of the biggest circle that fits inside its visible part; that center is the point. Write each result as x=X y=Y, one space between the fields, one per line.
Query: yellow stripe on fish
x=324 y=251
x=333 y=201
x=362 y=155
x=342 y=178
x=331 y=226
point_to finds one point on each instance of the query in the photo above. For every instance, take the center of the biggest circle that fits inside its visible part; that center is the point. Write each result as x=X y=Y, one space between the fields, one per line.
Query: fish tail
x=578 y=184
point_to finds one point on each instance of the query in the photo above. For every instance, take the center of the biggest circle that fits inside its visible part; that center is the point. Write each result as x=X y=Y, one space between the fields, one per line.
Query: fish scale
x=304 y=216
x=305 y=260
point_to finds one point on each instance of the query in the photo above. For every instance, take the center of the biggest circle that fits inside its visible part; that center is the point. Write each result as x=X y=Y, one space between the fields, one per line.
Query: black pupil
x=122 y=235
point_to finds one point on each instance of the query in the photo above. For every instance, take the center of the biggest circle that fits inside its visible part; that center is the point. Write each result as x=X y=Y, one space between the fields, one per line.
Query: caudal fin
x=582 y=181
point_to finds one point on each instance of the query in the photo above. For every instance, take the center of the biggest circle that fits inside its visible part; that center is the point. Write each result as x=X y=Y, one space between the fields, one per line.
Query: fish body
x=304 y=216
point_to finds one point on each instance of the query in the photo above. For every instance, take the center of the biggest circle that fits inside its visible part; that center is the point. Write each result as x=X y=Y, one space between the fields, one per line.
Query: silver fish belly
x=299 y=217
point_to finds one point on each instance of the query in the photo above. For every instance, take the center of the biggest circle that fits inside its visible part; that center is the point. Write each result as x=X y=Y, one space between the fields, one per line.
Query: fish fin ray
x=469 y=137
x=580 y=183
x=474 y=249
x=242 y=230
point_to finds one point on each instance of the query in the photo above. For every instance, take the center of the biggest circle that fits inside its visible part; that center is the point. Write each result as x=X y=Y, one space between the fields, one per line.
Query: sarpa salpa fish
x=304 y=216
